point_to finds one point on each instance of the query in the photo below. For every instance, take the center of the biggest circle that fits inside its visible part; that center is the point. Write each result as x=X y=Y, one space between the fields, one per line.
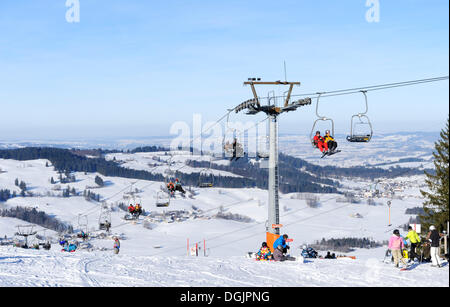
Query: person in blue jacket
x=281 y=241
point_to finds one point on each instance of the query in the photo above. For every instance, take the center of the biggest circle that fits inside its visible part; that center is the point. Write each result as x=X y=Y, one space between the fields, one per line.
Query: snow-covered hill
x=154 y=248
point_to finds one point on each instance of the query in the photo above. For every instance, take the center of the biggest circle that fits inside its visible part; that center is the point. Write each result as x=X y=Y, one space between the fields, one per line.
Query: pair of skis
x=330 y=153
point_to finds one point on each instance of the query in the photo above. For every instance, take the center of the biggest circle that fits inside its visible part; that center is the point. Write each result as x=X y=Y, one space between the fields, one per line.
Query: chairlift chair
x=227 y=142
x=361 y=137
x=320 y=119
x=104 y=220
x=162 y=199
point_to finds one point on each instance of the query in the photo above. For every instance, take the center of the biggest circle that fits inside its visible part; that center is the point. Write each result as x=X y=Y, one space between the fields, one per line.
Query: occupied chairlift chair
x=320 y=118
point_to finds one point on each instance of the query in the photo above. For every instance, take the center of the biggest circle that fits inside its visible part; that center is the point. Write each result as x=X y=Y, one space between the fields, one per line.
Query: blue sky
x=131 y=68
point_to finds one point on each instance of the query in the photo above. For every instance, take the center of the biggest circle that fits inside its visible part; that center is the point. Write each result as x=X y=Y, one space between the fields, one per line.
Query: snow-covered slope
x=154 y=249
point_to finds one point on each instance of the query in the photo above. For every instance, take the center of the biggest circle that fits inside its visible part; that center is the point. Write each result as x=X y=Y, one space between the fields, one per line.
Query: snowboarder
x=396 y=245
x=264 y=253
x=434 y=237
x=414 y=239
x=116 y=245
x=282 y=241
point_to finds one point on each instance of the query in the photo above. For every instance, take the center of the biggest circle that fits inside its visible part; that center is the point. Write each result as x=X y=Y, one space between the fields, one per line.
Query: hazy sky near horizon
x=131 y=68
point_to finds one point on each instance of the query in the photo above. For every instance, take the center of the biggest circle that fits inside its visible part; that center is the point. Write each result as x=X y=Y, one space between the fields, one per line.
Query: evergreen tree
x=436 y=201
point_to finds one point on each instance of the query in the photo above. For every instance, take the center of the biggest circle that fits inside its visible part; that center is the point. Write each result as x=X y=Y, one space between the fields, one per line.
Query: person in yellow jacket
x=332 y=144
x=414 y=239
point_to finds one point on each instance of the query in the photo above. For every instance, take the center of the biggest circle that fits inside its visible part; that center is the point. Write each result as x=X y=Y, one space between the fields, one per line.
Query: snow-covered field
x=27 y=268
x=157 y=255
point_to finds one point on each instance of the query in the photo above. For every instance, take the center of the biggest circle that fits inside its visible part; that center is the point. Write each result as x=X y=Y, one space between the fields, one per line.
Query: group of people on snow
x=430 y=247
x=326 y=144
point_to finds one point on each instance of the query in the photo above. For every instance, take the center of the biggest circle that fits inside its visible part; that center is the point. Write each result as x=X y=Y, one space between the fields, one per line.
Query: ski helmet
x=396 y=232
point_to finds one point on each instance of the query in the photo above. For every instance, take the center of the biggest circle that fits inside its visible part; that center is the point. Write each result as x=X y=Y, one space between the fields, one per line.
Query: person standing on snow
x=434 y=237
x=396 y=245
x=116 y=245
x=414 y=239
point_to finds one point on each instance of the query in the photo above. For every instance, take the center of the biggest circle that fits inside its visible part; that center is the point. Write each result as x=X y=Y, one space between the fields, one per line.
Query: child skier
x=264 y=253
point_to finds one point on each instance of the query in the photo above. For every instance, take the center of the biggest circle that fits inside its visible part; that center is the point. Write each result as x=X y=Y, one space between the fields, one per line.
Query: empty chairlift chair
x=365 y=132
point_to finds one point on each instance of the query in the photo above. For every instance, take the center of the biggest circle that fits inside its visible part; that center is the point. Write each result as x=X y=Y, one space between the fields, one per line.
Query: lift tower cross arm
x=291 y=87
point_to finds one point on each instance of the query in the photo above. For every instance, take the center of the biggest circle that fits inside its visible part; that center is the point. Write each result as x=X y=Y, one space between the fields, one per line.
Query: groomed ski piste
x=154 y=252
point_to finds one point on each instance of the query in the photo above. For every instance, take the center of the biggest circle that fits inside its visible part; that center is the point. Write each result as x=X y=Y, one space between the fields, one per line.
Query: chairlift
x=206 y=177
x=231 y=146
x=162 y=199
x=320 y=119
x=25 y=231
x=356 y=136
x=104 y=220
x=83 y=223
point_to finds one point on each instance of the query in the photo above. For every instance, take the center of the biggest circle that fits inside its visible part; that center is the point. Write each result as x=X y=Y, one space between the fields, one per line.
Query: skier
x=131 y=209
x=264 y=253
x=137 y=210
x=414 y=239
x=171 y=188
x=178 y=186
x=396 y=245
x=329 y=140
x=116 y=245
x=434 y=237
x=281 y=241
x=320 y=143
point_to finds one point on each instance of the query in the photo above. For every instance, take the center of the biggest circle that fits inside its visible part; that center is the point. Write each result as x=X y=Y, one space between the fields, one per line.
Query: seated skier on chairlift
x=178 y=186
x=137 y=210
x=171 y=188
x=319 y=142
x=331 y=143
x=236 y=156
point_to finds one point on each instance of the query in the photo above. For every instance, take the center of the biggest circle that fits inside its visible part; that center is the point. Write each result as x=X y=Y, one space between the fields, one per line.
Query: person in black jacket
x=434 y=237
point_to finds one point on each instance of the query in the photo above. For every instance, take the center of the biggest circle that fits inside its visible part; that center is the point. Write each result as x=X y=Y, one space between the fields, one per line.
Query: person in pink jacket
x=396 y=245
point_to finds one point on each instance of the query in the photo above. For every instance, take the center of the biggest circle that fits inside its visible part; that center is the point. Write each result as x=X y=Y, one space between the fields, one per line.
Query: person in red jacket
x=320 y=143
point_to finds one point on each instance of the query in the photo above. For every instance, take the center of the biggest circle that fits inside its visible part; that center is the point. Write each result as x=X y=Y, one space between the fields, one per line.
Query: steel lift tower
x=253 y=107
